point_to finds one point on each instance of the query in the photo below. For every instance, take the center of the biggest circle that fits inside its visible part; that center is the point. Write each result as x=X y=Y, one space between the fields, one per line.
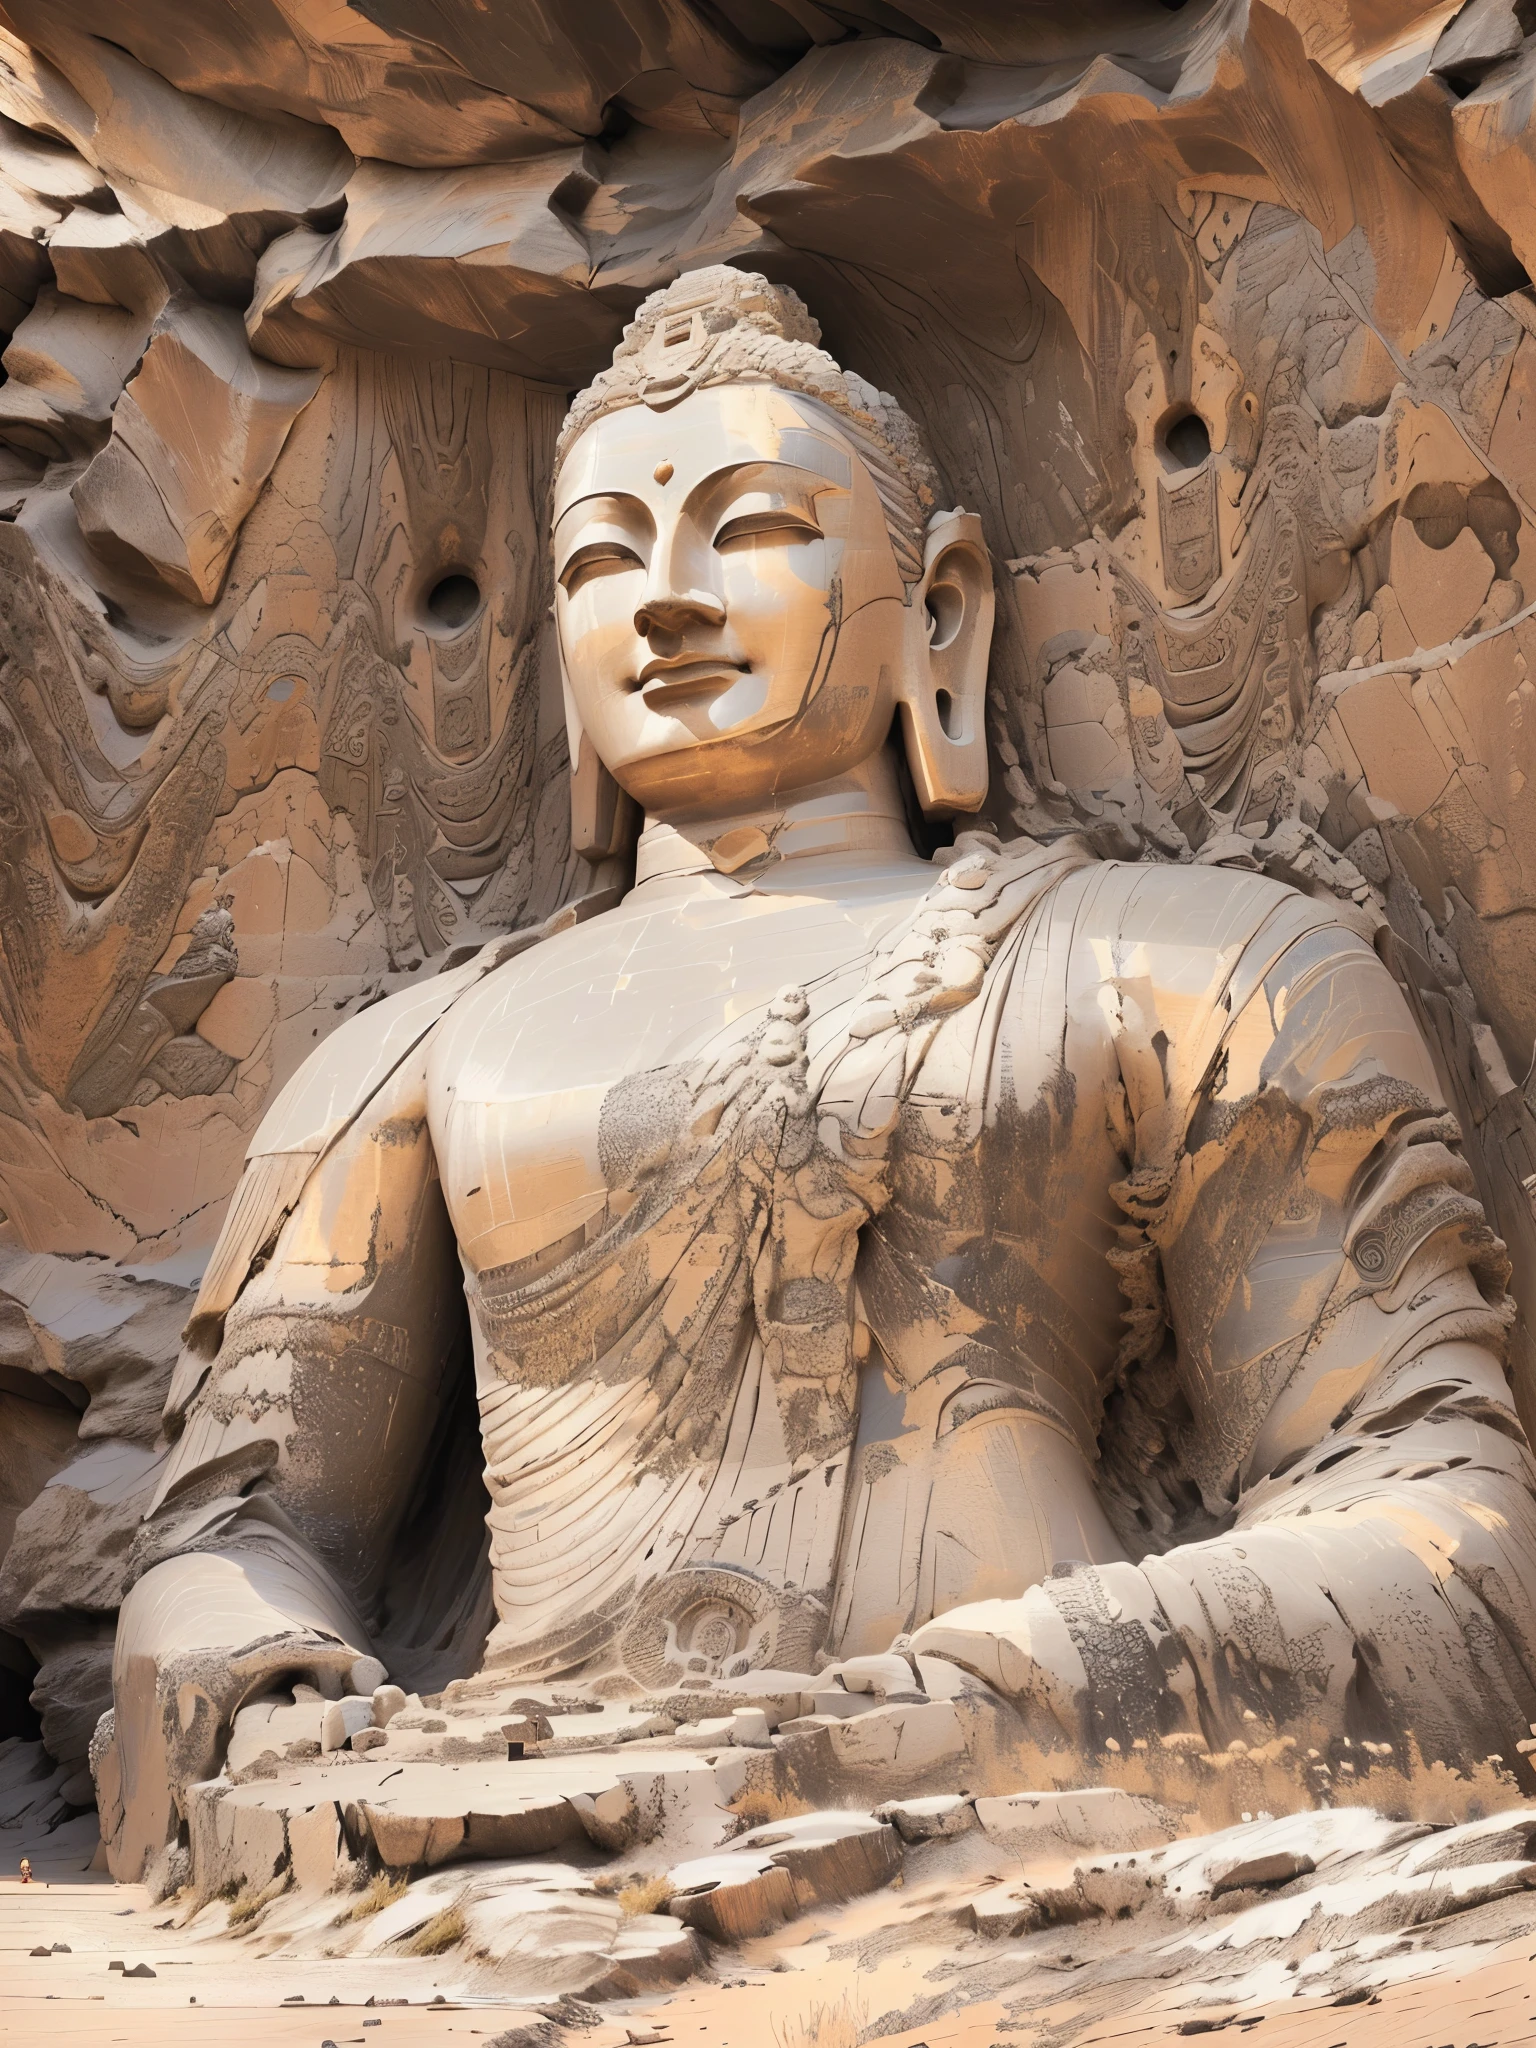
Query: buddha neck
x=857 y=813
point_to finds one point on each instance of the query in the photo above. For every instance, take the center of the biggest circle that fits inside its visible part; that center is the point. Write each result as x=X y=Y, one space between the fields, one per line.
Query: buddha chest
x=520 y=1073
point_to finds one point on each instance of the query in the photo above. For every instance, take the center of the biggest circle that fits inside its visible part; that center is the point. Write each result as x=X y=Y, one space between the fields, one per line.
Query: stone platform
x=1342 y=1927
x=801 y=1863
x=548 y=1821
x=849 y=1860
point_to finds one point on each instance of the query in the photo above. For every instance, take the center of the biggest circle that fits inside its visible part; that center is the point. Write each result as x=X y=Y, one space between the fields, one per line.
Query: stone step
x=785 y=1867
x=422 y=1815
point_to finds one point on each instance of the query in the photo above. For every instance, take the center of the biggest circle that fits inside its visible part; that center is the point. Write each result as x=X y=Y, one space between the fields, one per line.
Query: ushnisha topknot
x=723 y=326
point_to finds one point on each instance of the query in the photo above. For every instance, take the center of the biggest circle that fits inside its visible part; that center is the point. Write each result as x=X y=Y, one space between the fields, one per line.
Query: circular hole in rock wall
x=1186 y=441
x=452 y=602
x=1438 y=512
x=1493 y=517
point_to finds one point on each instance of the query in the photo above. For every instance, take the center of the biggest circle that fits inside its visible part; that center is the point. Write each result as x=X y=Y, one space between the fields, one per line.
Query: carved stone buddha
x=1058 y=1267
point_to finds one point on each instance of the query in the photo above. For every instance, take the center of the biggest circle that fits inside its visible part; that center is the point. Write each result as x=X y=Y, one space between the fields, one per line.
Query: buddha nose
x=677 y=611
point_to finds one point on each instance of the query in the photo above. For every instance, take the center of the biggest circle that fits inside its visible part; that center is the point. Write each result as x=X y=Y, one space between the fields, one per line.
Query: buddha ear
x=943 y=691
x=603 y=817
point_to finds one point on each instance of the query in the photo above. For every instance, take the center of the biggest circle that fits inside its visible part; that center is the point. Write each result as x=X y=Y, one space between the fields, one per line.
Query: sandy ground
x=203 y=1994
x=823 y=1982
x=1483 y=1995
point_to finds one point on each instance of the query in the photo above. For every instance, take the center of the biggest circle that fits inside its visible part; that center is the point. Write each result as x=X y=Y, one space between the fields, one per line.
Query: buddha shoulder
x=1185 y=926
x=341 y=1075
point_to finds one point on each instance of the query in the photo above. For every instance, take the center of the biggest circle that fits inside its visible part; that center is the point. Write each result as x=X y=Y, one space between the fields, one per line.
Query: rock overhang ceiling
x=294 y=301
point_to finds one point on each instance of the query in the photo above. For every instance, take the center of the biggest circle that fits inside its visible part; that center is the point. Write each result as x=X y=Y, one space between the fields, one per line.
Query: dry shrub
x=1430 y=1792
x=1289 y=1773
x=823 y=2026
x=755 y=1808
x=645 y=1894
x=381 y=1893
x=248 y=1901
x=441 y=1933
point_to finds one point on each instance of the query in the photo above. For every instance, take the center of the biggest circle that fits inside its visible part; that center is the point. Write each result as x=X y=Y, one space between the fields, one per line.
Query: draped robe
x=1085 y=1134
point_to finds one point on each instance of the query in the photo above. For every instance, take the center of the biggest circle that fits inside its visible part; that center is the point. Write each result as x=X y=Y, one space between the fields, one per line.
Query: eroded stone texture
x=1218 y=323
x=232 y=699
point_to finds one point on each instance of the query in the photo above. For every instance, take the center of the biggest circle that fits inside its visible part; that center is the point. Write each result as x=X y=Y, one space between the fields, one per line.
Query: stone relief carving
x=684 y=1221
x=1237 y=621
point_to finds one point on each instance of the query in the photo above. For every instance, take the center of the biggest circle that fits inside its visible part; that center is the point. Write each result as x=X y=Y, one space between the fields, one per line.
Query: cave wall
x=1218 y=315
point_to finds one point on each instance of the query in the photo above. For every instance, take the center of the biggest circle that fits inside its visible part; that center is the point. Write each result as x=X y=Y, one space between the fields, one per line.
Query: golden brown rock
x=1216 y=323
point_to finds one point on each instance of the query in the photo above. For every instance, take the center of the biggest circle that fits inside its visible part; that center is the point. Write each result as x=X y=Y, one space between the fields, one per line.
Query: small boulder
x=749 y=1729
x=1003 y=1910
x=732 y=1897
x=929 y=1820
x=343 y=1719
x=1262 y=1872
x=388 y=1700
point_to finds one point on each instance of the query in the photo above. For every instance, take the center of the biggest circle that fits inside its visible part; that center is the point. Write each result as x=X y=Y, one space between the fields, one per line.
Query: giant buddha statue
x=1058 y=1267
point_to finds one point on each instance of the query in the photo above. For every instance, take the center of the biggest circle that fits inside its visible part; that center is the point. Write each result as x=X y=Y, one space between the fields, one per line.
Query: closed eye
x=778 y=524
x=597 y=558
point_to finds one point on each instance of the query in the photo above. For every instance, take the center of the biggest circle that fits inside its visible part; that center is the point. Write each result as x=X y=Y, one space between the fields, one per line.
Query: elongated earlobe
x=604 y=819
x=943 y=690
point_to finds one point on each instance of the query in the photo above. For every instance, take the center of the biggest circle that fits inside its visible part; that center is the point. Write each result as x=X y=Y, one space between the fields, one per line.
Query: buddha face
x=732 y=621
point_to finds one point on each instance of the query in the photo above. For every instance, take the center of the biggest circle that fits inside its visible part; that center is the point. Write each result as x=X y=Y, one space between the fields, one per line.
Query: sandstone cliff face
x=1219 y=317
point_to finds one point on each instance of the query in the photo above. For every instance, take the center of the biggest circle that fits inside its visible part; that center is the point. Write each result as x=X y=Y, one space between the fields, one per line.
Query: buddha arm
x=1336 y=1395
x=306 y=1402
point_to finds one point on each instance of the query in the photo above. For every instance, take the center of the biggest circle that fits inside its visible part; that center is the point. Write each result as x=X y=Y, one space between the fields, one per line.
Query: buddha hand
x=1089 y=1649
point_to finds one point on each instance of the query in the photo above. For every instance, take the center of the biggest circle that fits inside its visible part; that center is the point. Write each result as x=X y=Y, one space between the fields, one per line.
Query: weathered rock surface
x=1043 y=1824
x=88 y=1356
x=1353 y=1900
x=292 y=298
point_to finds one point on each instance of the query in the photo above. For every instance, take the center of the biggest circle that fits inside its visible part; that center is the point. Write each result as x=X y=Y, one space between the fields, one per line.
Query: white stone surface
x=1052 y=1824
